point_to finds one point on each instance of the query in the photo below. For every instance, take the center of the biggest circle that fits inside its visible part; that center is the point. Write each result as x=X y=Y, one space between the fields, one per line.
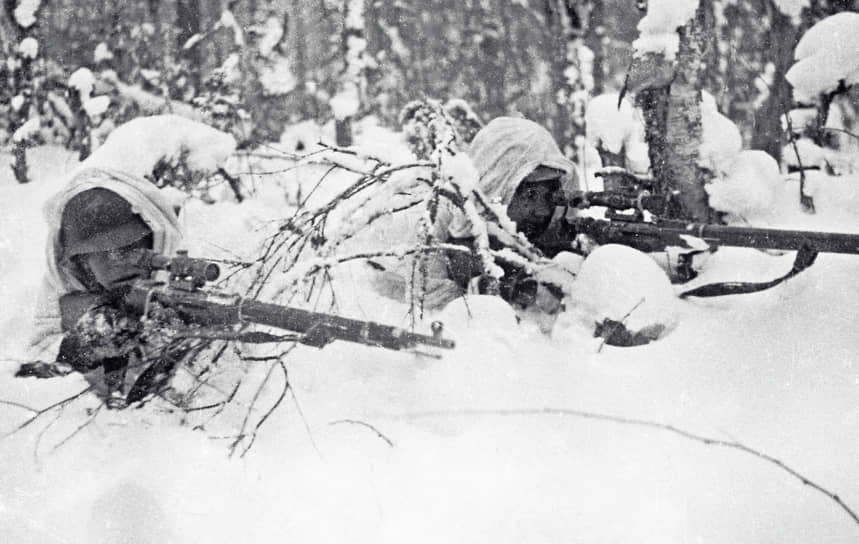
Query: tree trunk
x=564 y=35
x=596 y=39
x=353 y=75
x=343 y=132
x=781 y=40
x=19 y=165
x=683 y=132
x=654 y=106
x=188 y=21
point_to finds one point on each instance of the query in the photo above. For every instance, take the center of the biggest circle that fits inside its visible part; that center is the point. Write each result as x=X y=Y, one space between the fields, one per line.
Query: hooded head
x=99 y=220
x=97 y=226
x=509 y=149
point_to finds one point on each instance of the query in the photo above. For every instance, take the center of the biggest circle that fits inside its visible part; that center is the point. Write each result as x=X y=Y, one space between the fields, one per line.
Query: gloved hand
x=101 y=333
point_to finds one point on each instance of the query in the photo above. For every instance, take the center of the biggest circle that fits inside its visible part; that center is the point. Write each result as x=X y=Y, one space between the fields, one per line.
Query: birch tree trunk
x=346 y=103
x=683 y=131
x=672 y=112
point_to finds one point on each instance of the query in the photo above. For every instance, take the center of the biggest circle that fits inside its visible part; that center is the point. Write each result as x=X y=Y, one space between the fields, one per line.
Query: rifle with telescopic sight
x=637 y=218
x=185 y=293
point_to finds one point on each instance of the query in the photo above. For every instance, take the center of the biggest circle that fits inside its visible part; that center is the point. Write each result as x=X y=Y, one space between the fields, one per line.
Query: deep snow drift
x=482 y=445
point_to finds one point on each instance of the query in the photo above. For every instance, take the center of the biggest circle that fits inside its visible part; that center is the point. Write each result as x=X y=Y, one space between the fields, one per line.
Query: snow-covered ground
x=490 y=443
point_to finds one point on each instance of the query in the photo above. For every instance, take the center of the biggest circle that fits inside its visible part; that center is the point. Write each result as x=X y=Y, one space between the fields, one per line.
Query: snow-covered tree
x=26 y=124
x=667 y=75
x=352 y=87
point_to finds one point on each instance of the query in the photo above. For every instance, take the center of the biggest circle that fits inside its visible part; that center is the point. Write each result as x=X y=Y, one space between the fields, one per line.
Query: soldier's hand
x=104 y=332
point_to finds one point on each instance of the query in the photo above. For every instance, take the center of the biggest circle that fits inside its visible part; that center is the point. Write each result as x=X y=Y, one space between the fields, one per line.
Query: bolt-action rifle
x=184 y=292
x=655 y=233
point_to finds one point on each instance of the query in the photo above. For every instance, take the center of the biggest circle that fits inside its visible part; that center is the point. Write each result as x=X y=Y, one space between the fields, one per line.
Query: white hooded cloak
x=146 y=200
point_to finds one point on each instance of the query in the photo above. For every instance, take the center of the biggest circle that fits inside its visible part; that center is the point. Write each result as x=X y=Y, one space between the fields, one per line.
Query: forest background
x=252 y=67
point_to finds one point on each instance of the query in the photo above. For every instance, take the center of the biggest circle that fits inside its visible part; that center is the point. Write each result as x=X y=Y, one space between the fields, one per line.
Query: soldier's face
x=114 y=268
x=533 y=205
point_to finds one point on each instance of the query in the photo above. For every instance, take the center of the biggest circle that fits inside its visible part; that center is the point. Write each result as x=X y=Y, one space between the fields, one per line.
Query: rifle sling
x=804 y=258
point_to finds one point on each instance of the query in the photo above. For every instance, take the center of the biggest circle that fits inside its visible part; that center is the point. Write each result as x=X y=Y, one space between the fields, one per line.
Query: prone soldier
x=521 y=168
x=97 y=220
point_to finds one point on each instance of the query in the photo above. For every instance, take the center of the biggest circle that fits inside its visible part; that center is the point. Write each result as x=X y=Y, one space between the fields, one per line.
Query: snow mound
x=617 y=129
x=278 y=78
x=658 y=29
x=459 y=172
x=621 y=284
x=800 y=119
x=750 y=187
x=25 y=12
x=609 y=125
x=485 y=312
x=826 y=54
x=792 y=8
x=28 y=48
x=102 y=53
x=83 y=80
x=721 y=139
x=96 y=106
x=809 y=152
x=138 y=145
x=27 y=131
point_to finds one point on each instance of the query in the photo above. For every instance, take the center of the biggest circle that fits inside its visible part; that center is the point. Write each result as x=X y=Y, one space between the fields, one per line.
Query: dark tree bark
x=188 y=22
x=654 y=106
x=781 y=40
x=565 y=30
x=595 y=38
x=683 y=134
x=673 y=121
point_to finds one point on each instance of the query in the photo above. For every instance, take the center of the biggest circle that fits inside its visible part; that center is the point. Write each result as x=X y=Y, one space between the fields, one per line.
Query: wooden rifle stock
x=318 y=329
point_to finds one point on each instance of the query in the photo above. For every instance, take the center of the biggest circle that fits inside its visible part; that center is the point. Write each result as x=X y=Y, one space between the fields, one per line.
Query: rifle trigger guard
x=147 y=302
x=240 y=302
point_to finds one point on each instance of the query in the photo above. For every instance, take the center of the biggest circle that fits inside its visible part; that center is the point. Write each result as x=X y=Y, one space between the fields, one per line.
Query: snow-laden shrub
x=479 y=312
x=440 y=183
x=720 y=139
x=827 y=54
x=623 y=296
x=169 y=150
x=616 y=130
x=749 y=188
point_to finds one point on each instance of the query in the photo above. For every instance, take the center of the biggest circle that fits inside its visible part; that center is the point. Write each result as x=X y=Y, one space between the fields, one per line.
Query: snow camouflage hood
x=146 y=200
x=503 y=153
x=508 y=149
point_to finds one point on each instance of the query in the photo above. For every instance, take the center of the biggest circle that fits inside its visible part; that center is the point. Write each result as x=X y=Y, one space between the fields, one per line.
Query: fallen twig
x=731 y=444
x=80 y=427
x=40 y=412
x=364 y=424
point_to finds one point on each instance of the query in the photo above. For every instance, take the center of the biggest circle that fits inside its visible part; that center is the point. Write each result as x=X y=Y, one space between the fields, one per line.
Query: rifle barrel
x=647 y=236
x=761 y=238
x=326 y=327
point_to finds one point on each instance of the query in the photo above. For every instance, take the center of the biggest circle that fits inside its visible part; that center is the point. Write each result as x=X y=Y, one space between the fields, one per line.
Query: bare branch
x=367 y=425
x=271 y=410
x=730 y=444
x=18 y=405
x=80 y=427
x=41 y=412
